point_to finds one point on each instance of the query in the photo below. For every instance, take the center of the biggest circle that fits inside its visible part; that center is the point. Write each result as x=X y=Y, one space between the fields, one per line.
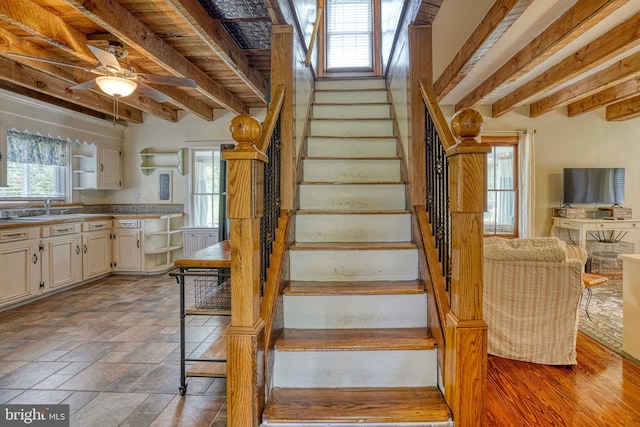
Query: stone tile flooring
x=111 y=350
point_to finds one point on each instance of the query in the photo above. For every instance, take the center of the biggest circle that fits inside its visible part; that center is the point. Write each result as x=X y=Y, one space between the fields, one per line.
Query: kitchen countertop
x=36 y=221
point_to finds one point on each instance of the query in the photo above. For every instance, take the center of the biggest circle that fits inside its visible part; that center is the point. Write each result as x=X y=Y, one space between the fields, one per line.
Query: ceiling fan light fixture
x=116 y=86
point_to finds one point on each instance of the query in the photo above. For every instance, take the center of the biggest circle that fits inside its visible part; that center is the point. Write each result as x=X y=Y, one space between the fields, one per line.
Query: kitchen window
x=37 y=167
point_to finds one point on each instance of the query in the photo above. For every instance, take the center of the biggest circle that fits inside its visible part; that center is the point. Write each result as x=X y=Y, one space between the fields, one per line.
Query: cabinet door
x=62 y=261
x=19 y=270
x=96 y=253
x=110 y=167
x=127 y=250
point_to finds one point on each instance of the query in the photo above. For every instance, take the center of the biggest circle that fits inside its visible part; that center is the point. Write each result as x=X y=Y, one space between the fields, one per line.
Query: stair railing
x=451 y=225
x=314 y=32
x=253 y=208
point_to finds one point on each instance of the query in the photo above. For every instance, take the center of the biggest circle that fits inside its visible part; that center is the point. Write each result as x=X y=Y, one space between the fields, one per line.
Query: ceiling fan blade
x=107 y=59
x=152 y=93
x=168 y=80
x=89 y=84
x=48 y=61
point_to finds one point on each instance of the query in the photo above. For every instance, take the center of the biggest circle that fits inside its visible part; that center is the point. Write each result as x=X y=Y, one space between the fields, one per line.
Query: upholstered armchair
x=532 y=290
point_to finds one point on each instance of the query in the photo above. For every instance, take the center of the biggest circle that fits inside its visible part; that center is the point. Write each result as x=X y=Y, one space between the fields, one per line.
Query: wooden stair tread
x=355 y=339
x=329 y=212
x=355 y=288
x=352 y=183
x=217 y=350
x=356 y=405
x=395 y=158
x=309 y=246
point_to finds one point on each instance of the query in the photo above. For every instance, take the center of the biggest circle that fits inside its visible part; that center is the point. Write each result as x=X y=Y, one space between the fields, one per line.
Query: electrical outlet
x=136 y=198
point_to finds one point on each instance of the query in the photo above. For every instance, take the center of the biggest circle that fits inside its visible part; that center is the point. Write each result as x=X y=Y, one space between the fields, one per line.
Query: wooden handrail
x=441 y=299
x=439 y=121
x=314 y=33
x=271 y=119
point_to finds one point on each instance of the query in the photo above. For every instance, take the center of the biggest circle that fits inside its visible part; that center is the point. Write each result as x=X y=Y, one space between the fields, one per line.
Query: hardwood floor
x=603 y=389
x=110 y=350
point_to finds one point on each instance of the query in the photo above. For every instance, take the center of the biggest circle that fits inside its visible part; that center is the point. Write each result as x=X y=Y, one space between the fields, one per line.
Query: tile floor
x=111 y=350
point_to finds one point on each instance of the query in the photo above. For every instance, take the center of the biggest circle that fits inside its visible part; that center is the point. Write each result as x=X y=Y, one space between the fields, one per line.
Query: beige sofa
x=532 y=291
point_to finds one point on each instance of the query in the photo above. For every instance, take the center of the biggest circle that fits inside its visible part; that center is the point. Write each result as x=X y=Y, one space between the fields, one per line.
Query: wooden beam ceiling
x=573 y=23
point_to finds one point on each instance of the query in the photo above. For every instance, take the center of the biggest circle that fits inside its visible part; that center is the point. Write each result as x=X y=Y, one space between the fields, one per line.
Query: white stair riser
x=353 y=228
x=359 y=197
x=350 y=97
x=355 y=311
x=353 y=127
x=356 y=111
x=348 y=84
x=342 y=170
x=351 y=147
x=409 y=368
x=357 y=265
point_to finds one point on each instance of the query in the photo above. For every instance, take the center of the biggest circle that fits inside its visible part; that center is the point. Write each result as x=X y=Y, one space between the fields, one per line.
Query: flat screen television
x=593 y=185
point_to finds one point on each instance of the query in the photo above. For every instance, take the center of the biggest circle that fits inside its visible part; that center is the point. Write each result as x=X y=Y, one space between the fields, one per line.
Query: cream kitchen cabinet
x=96 y=249
x=127 y=245
x=61 y=255
x=20 y=264
x=96 y=166
x=162 y=242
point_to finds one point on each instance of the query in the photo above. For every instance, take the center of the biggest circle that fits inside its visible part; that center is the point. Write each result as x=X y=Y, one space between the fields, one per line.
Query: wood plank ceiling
x=224 y=46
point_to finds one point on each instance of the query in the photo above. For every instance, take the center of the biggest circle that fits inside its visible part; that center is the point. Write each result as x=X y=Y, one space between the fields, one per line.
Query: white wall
x=587 y=140
x=160 y=135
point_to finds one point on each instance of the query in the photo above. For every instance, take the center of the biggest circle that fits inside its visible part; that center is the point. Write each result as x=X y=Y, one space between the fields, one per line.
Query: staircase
x=355 y=348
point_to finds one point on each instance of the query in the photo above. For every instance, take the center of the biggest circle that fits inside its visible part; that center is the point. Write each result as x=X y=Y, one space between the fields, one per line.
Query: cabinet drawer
x=96 y=225
x=567 y=223
x=60 y=229
x=19 y=234
x=617 y=225
x=126 y=223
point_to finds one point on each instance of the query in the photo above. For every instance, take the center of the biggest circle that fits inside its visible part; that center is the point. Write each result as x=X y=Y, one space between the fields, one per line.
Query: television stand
x=586 y=228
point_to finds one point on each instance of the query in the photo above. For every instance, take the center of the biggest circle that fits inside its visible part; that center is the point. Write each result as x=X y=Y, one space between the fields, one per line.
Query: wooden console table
x=210 y=261
x=609 y=228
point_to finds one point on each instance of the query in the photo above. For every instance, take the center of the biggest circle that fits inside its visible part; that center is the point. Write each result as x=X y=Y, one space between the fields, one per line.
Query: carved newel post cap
x=466 y=124
x=245 y=130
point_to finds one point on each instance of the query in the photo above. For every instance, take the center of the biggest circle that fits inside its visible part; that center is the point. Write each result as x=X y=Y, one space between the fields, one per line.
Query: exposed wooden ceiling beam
x=624 y=110
x=70 y=76
x=615 y=42
x=581 y=17
x=115 y=19
x=427 y=11
x=605 y=97
x=53 y=100
x=219 y=41
x=37 y=80
x=41 y=23
x=496 y=22
x=610 y=76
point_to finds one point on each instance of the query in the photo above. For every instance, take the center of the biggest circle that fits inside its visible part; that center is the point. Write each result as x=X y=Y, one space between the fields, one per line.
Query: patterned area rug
x=605 y=310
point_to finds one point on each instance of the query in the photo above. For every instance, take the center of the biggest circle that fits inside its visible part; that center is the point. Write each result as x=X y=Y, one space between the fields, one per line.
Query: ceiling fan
x=116 y=79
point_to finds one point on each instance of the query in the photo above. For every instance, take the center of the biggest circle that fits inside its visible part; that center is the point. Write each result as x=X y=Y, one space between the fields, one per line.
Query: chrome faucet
x=47 y=206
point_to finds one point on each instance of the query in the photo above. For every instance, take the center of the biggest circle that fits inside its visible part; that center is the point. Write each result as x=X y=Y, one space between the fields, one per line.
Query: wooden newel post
x=245 y=391
x=466 y=331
